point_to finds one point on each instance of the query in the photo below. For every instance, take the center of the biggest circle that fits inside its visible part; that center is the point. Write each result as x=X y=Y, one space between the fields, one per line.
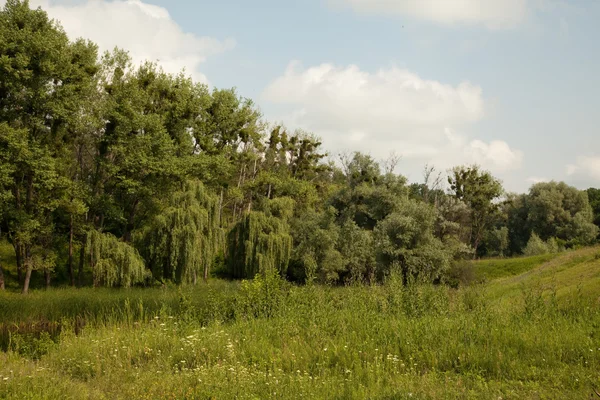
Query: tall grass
x=267 y=339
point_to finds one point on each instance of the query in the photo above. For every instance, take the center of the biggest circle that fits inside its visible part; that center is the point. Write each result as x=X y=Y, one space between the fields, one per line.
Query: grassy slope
x=573 y=273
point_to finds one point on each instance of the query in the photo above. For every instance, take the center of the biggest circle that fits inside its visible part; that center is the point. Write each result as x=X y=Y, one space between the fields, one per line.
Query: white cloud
x=147 y=31
x=585 y=166
x=497 y=154
x=391 y=109
x=537 y=179
x=494 y=14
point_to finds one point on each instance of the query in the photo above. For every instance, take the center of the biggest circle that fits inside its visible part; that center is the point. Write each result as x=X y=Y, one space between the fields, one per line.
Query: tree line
x=113 y=174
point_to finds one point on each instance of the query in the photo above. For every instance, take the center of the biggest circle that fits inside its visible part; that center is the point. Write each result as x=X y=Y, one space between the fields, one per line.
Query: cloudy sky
x=512 y=85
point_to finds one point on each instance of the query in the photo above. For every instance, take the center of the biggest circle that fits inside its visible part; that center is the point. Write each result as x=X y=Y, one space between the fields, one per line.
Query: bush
x=536 y=246
x=461 y=274
x=260 y=297
x=30 y=345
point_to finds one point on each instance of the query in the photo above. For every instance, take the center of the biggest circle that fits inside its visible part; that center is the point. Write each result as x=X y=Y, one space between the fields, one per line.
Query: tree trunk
x=19 y=258
x=95 y=277
x=47 y=277
x=81 y=262
x=130 y=222
x=2 y=286
x=205 y=273
x=29 y=267
x=71 y=272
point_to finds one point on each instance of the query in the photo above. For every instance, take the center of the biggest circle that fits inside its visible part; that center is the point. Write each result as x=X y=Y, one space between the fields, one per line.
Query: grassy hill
x=564 y=275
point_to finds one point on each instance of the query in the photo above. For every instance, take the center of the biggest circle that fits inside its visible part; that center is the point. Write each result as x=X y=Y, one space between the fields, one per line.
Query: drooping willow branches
x=114 y=262
x=261 y=241
x=182 y=242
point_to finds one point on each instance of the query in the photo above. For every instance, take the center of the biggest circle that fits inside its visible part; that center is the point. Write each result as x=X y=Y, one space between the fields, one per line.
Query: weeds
x=267 y=339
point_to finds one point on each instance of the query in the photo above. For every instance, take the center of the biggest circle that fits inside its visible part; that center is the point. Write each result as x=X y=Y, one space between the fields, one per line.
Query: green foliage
x=405 y=239
x=261 y=242
x=561 y=211
x=101 y=159
x=184 y=239
x=461 y=274
x=497 y=241
x=478 y=190
x=30 y=345
x=357 y=249
x=594 y=200
x=314 y=253
x=262 y=296
x=113 y=262
x=536 y=246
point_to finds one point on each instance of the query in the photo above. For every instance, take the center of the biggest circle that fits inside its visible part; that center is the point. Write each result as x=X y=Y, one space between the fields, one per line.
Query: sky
x=510 y=85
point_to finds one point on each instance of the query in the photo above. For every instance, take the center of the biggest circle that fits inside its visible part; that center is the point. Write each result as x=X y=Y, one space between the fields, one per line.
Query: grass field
x=532 y=331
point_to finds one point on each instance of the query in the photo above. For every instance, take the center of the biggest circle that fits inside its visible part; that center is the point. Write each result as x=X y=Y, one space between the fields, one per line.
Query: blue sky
x=511 y=85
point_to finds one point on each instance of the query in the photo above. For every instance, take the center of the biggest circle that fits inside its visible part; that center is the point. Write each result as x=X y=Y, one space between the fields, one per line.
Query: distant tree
x=479 y=190
x=314 y=255
x=368 y=197
x=497 y=241
x=405 y=240
x=536 y=246
x=514 y=209
x=182 y=241
x=557 y=210
x=261 y=241
x=114 y=263
x=594 y=199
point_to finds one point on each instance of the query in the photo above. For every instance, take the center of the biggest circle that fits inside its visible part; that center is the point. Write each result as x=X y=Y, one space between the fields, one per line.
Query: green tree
x=314 y=255
x=479 y=190
x=594 y=199
x=261 y=241
x=182 y=241
x=497 y=241
x=369 y=196
x=557 y=210
x=43 y=77
x=114 y=262
x=405 y=241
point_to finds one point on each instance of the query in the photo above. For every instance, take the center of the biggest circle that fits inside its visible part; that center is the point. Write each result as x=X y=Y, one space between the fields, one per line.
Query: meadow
x=529 y=329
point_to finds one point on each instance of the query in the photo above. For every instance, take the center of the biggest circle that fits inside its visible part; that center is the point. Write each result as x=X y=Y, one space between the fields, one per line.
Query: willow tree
x=182 y=242
x=261 y=241
x=114 y=262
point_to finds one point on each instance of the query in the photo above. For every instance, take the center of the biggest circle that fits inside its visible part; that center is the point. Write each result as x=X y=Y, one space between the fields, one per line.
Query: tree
x=405 y=241
x=314 y=255
x=479 y=190
x=40 y=88
x=497 y=241
x=368 y=197
x=557 y=210
x=138 y=159
x=261 y=241
x=183 y=240
x=114 y=262
x=594 y=199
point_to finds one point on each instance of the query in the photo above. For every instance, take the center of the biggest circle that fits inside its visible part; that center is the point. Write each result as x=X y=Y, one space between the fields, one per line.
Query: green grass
x=529 y=336
x=489 y=269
